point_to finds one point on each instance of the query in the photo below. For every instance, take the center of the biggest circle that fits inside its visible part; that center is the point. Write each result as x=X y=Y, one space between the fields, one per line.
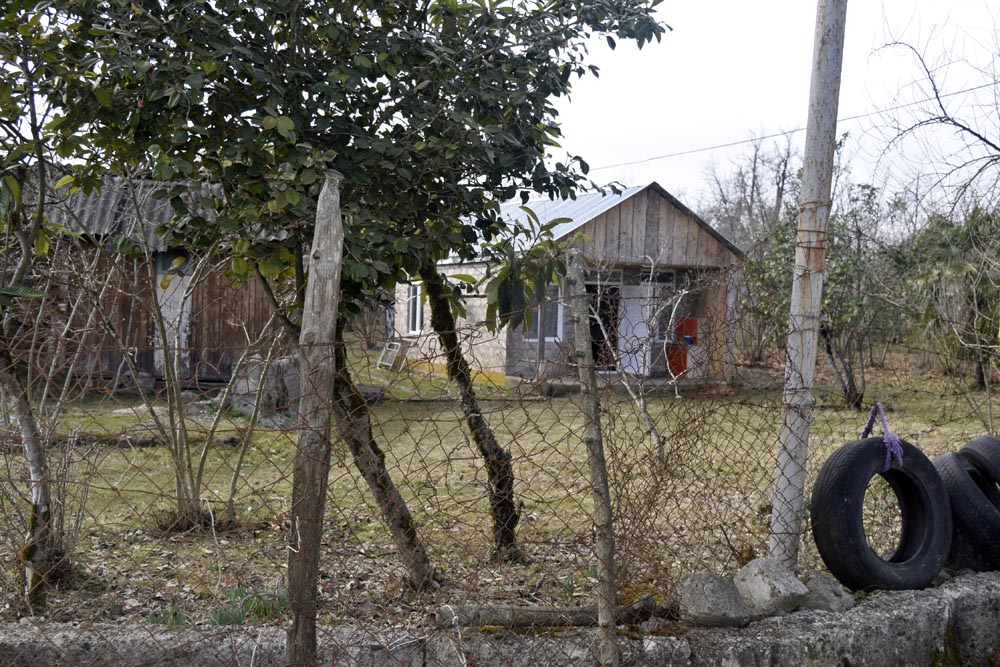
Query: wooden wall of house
x=104 y=291
x=708 y=360
x=649 y=227
x=223 y=315
x=90 y=317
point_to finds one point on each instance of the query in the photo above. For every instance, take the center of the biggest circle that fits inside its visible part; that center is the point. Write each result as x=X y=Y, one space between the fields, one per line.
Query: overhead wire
x=786 y=133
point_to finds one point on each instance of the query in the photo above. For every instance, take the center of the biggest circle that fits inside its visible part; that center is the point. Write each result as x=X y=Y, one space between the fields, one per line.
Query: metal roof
x=581 y=210
x=120 y=206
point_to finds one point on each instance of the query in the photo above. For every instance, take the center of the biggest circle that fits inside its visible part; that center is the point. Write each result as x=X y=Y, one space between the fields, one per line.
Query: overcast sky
x=733 y=69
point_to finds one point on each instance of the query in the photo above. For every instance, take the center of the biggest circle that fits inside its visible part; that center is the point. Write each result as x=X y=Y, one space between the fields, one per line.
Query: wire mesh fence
x=171 y=508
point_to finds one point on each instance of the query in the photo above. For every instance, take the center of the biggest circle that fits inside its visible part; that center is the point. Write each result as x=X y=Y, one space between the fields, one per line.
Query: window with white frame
x=414 y=310
x=551 y=315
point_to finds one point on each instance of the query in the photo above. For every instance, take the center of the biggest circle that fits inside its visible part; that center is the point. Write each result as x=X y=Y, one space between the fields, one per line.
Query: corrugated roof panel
x=112 y=210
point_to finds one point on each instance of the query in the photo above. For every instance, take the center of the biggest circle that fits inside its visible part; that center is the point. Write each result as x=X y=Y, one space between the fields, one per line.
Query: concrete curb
x=957 y=623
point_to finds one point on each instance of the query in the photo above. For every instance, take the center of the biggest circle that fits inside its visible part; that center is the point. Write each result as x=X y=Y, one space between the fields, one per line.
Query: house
x=108 y=301
x=662 y=295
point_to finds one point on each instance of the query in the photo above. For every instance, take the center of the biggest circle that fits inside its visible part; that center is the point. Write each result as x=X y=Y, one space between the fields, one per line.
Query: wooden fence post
x=311 y=466
x=607 y=592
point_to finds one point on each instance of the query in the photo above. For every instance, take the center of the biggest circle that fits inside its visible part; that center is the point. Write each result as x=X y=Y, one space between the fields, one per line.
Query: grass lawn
x=705 y=506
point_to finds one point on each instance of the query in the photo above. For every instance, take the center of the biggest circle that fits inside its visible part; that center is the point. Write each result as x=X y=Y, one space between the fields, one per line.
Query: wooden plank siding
x=651 y=235
x=637 y=237
x=117 y=283
x=222 y=316
x=116 y=294
x=648 y=226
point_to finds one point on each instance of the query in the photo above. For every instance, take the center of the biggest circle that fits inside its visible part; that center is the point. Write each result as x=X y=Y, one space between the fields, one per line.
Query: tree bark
x=499 y=467
x=842 y=368
x=607 y=594
x=311 y=464
x=355 y=426
x=36 y=554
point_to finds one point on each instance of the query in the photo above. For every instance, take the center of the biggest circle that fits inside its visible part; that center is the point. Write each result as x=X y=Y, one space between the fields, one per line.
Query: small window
x=552 y=314
x=414 y=310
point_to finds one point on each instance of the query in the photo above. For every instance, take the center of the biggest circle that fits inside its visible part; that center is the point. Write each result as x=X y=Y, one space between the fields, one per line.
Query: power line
x=787 y=133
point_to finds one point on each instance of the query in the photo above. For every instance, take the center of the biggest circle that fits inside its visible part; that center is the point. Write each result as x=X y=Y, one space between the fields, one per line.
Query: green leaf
x=6 y=202
x=292 y=196
x=41 y=244
x=65 y=180
x=240 y=266
x=165 y=281
x=13 y=186
x=103 y=96
x=286 y=127
x=23 y=292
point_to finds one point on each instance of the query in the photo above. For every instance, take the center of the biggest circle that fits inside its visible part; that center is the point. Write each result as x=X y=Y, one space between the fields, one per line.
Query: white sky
x=734 y=69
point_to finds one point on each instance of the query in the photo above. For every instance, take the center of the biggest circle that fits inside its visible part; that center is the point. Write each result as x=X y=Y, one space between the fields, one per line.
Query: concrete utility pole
x=807 y=282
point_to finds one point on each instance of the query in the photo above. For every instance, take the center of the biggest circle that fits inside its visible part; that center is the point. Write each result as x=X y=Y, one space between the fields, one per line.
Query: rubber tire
x=838 y=528
x=964 y=556
x=975 y=498
x=984 y=453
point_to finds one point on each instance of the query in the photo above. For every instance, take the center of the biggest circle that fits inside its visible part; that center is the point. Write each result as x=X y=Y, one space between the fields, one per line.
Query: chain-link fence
x=171 y=489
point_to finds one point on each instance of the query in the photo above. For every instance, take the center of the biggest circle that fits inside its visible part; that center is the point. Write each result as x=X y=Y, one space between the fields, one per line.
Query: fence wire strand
x=161 y=528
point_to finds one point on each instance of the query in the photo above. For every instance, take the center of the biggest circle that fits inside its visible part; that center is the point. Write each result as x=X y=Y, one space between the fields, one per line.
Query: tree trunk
x=37 y=553
x=979 y=373
x=607 y=594
x=499 y=468
x=354 y=423
x=843 y=370
x=311 y=464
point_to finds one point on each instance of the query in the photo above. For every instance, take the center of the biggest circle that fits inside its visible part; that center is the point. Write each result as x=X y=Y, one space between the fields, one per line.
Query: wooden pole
x=807 y=282
x=311 y=465
x=604 y=534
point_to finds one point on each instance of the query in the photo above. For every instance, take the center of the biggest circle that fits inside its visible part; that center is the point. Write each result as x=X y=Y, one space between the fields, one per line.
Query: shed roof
x=119 y=206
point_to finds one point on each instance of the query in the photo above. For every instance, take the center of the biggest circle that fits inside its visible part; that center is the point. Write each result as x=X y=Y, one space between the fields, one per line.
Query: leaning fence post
x=807 y=283
x=311 y=466
x=603 y=527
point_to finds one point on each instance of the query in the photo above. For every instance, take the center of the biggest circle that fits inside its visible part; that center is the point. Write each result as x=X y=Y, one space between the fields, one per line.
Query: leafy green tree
x=432 y=113
x=752 y=206
x=34 y=55
x=955 y=280
x=858 y=288
x=758 y=204
x=38 y=55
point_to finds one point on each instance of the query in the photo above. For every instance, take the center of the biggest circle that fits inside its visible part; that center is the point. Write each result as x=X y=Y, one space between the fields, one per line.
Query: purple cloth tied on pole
x=893 y=447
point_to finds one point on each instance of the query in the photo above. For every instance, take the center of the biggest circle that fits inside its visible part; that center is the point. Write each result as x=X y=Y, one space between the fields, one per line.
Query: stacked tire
x=971 y=477
x=949 y=508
